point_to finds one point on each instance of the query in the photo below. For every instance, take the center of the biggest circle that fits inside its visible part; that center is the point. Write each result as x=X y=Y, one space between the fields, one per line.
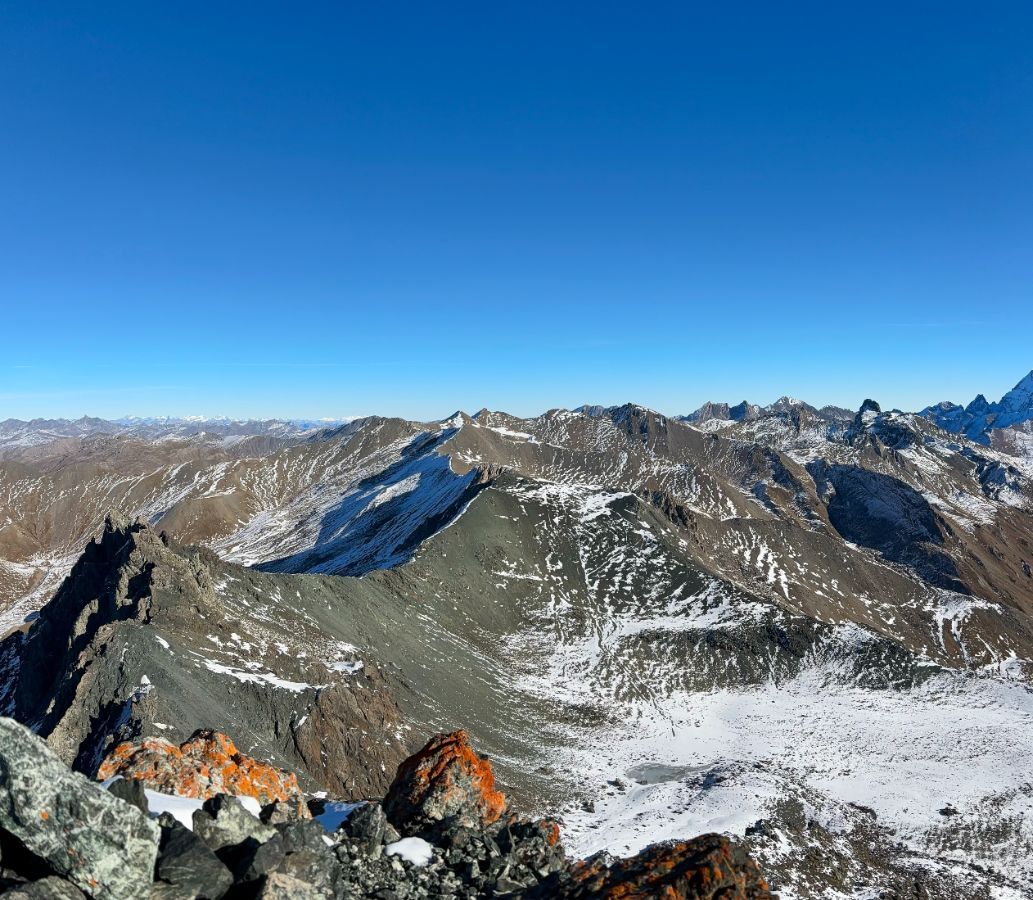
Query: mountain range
x=808 y=628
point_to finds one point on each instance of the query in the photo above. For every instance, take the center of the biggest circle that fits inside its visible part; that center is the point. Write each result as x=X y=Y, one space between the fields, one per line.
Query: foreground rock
x=444 y=787
x=95 y=841
x=707 y=868
x=443 y=831
x=207 y=764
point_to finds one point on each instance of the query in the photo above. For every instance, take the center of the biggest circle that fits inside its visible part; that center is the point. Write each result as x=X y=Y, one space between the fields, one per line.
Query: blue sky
x=333 y=209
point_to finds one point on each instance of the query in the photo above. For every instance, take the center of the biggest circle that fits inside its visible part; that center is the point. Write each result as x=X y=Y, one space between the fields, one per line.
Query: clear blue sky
x=329 y=209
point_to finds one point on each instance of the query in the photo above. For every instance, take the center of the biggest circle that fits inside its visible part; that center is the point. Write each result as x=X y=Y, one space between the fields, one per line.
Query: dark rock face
x=223 y=822
x=368 y=826
x=883 y=513
x=44 y=806
x=187 y=863
x=131 y=791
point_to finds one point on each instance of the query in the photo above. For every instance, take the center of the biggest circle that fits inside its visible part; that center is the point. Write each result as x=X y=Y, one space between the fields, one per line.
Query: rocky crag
x=442 y=830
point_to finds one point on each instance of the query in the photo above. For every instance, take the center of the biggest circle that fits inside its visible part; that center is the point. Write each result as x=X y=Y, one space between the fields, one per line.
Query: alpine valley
x=808 y=629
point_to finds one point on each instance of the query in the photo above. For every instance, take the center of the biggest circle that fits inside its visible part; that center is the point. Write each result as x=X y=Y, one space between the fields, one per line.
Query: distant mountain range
x=16 y=433
x=975 y=421
x=809 y=628
x=980 y=416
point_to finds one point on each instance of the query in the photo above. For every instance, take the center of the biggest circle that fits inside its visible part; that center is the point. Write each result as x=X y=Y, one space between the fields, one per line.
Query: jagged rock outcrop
x=207 y=764
x=980 y=418
x=709 y=867
x=146 y=636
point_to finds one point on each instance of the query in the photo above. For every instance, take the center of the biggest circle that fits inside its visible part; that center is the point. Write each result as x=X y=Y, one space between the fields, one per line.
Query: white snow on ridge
x=398 y=489
x=270 y=678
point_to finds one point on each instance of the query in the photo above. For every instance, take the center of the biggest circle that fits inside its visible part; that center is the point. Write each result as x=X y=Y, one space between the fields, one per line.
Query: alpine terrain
x=808 y=630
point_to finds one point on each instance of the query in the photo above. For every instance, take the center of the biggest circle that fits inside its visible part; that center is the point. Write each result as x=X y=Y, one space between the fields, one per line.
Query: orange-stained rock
x=203 y=766
x=444 y=787
x=706 y=868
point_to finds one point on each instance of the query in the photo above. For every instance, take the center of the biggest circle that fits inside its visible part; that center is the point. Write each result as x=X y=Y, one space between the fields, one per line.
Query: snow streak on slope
x=407 y=492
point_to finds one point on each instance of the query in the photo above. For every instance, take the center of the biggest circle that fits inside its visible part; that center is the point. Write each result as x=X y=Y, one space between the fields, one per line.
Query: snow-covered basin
x=960 y=739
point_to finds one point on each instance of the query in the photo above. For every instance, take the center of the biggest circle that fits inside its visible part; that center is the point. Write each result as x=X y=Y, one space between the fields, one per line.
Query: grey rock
x=51 y=888
x=162 y=891
x=306 y=834
x=131 y=791
x=96 y=841
x=279 y=886
x=367 y=826
x=223 y=822
x=253 y=860
x=186 y=862
x=277 y=813
x=319 y=869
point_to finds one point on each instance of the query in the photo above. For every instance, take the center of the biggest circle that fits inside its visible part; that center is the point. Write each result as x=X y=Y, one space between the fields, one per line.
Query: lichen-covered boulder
x=96 y=841
x=709 y=867
x=205 y=765
x=444 y=787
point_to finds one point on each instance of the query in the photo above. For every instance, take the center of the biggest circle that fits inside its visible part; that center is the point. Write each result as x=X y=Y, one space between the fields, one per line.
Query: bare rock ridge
x=143 y=636
x=64 y=837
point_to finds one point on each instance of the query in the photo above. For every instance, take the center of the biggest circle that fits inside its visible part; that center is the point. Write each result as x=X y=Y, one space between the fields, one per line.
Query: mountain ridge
x=691 y=600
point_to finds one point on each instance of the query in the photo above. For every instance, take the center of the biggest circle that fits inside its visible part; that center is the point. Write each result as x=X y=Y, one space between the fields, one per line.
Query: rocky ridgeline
x=443 y=830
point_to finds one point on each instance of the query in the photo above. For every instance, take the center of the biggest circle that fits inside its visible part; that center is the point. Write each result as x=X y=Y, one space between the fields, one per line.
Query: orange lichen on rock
x=205 y=765
x=552 y=830
x=709 y=866
x=444 y=786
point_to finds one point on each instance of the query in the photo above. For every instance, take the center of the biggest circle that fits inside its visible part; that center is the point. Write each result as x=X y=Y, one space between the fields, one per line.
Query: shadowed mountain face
x=808 y=630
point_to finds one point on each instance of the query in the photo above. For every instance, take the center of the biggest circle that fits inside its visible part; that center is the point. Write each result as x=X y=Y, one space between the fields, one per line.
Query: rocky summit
x=442 y=830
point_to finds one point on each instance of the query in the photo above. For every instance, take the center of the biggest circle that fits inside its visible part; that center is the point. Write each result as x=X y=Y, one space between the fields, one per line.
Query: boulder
x=709 y=867
x=224 y=822
x=99 y=843
x=368 y=826
x=284 y=887
x=444 y=787
x=205 y=765
x=186 y=862
x=131 y=791
x=307 y=835
x=252 y=861
x=50 y=888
